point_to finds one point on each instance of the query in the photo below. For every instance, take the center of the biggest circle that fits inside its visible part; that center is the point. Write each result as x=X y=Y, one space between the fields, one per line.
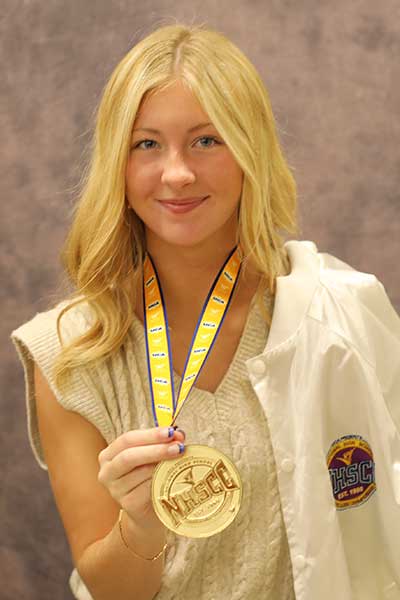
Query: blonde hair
x=105 y=245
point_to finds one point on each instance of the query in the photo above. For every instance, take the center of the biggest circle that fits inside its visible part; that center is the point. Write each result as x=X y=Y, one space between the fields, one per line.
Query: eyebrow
x=199 y=126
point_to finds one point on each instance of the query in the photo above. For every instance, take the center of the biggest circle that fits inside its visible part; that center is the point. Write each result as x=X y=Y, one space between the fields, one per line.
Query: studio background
x=332 y=72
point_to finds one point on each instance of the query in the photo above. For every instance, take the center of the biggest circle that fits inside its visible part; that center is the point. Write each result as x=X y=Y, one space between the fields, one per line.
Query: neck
x=187 y=273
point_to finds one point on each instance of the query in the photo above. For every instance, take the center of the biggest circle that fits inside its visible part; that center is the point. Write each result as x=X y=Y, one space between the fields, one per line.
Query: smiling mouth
x=182 y=206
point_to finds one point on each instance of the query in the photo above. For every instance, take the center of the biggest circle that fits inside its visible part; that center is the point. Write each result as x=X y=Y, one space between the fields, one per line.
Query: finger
x=131 y=481
x=137 y=437
x=131 y=458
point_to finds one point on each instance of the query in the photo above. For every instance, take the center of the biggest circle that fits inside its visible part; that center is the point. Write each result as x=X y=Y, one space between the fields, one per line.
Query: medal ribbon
x=158 y=346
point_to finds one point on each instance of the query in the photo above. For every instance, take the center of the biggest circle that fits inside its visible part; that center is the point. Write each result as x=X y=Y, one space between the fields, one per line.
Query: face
x=181 y=180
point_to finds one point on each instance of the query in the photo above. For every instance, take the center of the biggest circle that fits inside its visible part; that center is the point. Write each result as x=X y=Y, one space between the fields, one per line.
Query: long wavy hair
x=105 y=245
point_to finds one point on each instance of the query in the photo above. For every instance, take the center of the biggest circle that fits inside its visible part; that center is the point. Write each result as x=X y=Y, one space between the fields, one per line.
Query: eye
x=138 y=144
x=208 y=137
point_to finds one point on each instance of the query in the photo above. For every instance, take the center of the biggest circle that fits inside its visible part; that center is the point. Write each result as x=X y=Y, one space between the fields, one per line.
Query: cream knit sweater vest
x=250 y=559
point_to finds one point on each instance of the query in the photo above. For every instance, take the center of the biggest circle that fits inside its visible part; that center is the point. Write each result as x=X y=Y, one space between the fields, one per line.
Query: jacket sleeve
x=376 y=325
x=382 y=328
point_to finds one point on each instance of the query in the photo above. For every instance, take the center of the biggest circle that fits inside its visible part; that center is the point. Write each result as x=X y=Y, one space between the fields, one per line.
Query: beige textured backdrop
x=332 y=70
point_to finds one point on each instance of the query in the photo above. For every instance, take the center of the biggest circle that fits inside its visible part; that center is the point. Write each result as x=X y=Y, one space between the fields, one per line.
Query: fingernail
x=181 y=430
x=171 y=431
x=176 y=449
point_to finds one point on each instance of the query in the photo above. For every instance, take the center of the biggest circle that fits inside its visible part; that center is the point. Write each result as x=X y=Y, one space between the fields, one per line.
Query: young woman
x=280 y=363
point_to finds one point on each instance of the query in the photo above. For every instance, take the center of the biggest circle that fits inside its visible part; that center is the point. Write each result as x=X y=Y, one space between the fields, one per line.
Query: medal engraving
x=198 y=494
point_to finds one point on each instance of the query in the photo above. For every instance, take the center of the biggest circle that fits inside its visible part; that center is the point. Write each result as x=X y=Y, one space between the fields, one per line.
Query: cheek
x=226 y=169
x=235 y=175
x=139 y=178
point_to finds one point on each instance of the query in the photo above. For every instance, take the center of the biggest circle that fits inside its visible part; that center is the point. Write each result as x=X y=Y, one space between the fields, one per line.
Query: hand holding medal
x=199 y=493
x=126 y=469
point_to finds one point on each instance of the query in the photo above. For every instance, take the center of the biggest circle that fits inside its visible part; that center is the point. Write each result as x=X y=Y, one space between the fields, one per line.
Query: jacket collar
x=294 y=292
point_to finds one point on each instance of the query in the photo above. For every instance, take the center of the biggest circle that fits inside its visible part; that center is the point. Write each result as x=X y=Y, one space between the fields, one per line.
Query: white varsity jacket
x=329 y=383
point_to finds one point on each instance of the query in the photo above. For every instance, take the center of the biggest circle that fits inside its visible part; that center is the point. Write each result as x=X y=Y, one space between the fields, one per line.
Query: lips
x=184 y=205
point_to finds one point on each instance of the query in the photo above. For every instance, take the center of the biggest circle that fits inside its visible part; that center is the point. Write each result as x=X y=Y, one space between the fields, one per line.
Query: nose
x=176 y=171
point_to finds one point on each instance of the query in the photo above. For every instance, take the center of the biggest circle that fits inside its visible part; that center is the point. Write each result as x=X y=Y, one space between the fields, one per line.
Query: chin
x=191 y=237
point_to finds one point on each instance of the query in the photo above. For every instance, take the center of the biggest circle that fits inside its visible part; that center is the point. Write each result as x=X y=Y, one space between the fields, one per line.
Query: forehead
x=176 y=103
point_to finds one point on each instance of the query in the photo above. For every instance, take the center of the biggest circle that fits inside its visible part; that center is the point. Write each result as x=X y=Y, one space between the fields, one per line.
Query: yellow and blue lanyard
x=158 y=346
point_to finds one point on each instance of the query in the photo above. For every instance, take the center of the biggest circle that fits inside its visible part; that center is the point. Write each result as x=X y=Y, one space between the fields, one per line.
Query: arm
x=110 y=571
x=89 y=513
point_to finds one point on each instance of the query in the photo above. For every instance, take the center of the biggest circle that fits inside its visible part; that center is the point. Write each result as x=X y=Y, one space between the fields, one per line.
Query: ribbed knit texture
x=250 y=559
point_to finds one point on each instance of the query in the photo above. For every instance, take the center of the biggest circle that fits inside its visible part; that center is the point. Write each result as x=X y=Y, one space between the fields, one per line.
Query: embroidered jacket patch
x=352 y=471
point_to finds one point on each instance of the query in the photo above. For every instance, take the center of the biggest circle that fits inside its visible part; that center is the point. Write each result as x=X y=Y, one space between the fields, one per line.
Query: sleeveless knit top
x=250 y=559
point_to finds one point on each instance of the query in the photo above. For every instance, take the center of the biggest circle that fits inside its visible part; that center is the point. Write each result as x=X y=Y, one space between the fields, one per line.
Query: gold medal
x=197 y=494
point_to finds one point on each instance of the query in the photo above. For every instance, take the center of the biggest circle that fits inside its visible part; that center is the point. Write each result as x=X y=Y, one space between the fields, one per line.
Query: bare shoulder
x=71 y=446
